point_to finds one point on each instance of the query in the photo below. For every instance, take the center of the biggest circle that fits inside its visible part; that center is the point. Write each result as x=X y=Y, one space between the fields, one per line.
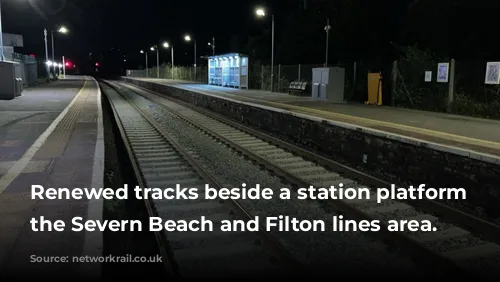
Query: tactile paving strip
x=56 y=143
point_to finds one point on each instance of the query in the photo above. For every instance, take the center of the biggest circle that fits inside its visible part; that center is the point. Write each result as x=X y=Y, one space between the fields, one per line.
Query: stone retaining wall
x=394 y=161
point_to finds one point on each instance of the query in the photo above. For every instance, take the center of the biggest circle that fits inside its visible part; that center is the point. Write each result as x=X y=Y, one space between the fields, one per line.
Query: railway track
x=160 y=162
x=463 y=245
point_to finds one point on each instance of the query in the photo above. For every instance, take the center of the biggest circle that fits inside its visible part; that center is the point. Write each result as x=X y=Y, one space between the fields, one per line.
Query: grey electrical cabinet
x=19 y=86
x=328 y=84
x=8 y=83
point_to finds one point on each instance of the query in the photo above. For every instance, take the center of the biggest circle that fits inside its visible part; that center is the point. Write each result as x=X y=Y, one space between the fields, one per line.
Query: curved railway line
x=160 y=161
x=463 y=245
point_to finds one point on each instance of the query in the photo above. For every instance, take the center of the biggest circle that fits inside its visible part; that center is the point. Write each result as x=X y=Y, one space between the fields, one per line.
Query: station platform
x=452 y=131
x=50 y=136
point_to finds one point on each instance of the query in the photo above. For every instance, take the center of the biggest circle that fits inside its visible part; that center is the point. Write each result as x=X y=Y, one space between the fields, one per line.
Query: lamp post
x=1 y=34
x=147 y=71
x=212 y=44
x=62 y=30
x=166 y=46
x=327 y=29
x=157 y=60
x=260 y=12
x=64 y=66
x=188 y=39
x=47 y=66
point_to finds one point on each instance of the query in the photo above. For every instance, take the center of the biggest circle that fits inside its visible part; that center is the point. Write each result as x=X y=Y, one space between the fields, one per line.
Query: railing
x=404 y=83
x=260 y=76
x=28 y=67
x=20 y=58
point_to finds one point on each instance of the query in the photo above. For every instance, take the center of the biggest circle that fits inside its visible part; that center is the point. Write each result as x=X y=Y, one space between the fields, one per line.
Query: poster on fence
x=428 y=76
x=492 y=73
x=443 y=71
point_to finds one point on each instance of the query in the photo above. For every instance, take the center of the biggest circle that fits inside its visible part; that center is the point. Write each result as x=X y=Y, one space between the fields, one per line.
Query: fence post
x=262 y=77
x=354 y=78
x=394 y=82
x=451 y=86
x=279 y=78
x=299 y=74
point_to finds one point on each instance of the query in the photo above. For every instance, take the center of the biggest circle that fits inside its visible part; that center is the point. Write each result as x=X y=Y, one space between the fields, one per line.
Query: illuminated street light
x=327 y=29
x=188 y=39
x=63 y=30
x=147 y=71
x=166 y=45
x=212 y=44
x=260 y=12
x=157 y=60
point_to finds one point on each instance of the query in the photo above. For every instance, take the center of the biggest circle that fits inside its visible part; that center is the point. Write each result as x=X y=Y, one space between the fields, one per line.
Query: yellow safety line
x=321 y=113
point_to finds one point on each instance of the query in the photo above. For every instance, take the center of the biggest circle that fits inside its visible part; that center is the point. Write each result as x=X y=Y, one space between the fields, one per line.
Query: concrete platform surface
x=469 y=133
x=50 y=136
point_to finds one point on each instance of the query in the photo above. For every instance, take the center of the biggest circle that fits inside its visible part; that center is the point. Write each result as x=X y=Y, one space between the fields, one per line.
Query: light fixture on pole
x=157 y=60
x=212 y=45
x=327 y=29
x=1 y=34
x=147 y=71
x=260 y=12
x=62 y=30
x=166 y=46
x=188 y=39
x=47 y=68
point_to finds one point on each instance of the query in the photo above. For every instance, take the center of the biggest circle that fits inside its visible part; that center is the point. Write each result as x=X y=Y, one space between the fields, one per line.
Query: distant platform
x=50 y=136
x=452 y=131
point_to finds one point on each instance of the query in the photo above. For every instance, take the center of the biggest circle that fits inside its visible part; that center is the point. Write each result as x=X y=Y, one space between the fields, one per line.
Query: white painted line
x=20 y=164
x=93 y=244
x=494 y=159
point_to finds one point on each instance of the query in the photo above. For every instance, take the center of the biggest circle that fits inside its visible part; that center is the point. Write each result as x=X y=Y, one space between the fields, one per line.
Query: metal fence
x=178 y=73
x=404 y=82
x=29 y=67
x=260 y=76
x=465 y=92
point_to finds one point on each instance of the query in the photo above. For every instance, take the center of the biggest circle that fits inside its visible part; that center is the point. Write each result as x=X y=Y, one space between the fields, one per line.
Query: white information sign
x=492 y=73
x=443 y=72
x=428 y=76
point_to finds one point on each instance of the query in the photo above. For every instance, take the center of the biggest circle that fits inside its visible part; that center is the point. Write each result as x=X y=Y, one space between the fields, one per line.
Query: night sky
x=360 y=29
x=131 y=25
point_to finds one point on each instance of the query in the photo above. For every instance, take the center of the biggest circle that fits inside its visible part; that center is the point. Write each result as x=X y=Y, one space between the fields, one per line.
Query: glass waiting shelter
x=229 y=70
